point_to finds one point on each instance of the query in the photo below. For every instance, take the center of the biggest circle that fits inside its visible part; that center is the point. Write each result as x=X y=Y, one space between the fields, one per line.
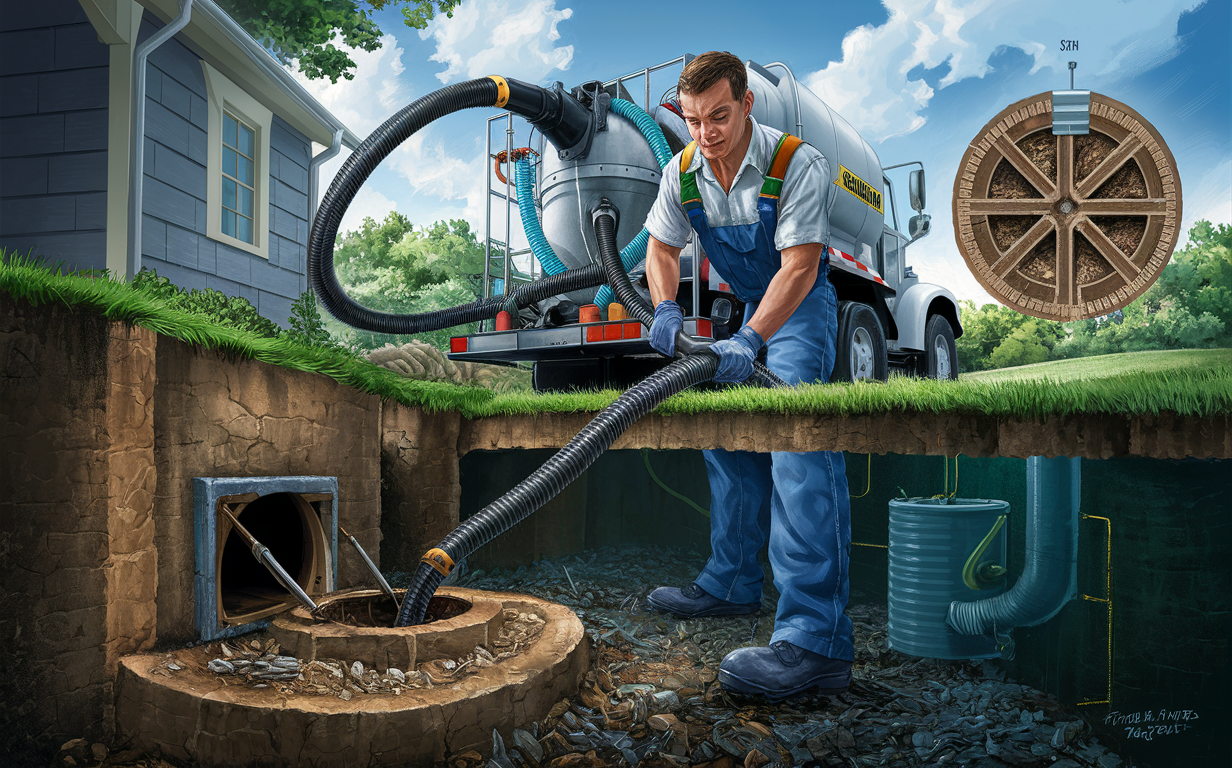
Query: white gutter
x=137 y=151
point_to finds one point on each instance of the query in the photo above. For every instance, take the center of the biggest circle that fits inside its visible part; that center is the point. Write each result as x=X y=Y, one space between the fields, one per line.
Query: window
x=237 y=204
x=238 y=177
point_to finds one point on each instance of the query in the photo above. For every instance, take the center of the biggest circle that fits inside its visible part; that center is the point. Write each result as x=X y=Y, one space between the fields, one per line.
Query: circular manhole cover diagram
x=1067 y=227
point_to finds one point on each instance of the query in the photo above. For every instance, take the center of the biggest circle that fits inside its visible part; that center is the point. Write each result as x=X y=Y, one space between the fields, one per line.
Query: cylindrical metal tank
x=852 y=221
x=940 y=553
x=621 y=167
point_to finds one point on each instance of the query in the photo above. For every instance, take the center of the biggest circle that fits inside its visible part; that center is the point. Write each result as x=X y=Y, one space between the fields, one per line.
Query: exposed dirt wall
x=1165 y=436
x=217 y=417
x=76 y=525
x=419 y=481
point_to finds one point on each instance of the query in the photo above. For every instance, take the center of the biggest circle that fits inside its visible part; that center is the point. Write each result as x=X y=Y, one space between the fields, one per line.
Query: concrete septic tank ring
x=196 y=716
x=467 y=618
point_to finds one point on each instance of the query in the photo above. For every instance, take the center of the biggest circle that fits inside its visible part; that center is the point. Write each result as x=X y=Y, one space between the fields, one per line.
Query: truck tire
x=940 y=359
x=860 y=353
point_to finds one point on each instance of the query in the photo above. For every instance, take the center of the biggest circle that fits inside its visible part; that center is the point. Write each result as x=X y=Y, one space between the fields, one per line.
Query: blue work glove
x=736 y=355
x=668 y=318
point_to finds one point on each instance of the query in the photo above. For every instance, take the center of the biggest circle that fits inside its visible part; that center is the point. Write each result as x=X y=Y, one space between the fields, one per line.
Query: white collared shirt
x=802 y=201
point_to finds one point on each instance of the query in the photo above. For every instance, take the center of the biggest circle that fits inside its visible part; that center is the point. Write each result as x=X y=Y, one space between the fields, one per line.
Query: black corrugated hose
x=555 y=112
x=563 y=122
x=697 y=365
x=550 y=479
x=603 y=216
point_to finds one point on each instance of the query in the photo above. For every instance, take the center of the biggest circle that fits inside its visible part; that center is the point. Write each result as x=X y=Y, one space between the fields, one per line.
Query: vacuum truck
x=601 y=159
x=888 y=318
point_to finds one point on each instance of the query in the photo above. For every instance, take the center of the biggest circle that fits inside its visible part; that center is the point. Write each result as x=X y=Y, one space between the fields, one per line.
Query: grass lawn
x=1191 y=382
x=1160 y=361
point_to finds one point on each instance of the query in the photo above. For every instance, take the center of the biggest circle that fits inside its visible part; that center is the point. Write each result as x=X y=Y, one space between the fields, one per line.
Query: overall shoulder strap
x=783 y=152
x=690 y=197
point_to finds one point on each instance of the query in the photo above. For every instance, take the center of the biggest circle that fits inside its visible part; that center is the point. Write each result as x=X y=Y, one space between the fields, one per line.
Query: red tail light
x=457 y=344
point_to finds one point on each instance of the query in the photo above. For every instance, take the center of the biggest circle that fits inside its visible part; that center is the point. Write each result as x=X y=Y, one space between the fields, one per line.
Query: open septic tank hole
x=291 y=529
x=379 y=610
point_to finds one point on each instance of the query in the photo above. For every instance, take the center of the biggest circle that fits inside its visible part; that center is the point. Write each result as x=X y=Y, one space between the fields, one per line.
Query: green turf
x=1107 y=365
x=1188 y=382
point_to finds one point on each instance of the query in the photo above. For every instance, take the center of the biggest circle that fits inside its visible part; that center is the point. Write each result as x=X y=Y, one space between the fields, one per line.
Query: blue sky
x=918 y=78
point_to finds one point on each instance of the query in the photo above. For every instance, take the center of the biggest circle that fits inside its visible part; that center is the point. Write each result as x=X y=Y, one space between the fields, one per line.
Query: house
x=216 y=194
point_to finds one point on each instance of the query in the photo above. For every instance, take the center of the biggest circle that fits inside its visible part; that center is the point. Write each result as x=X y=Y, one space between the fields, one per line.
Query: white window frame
x=226 y=95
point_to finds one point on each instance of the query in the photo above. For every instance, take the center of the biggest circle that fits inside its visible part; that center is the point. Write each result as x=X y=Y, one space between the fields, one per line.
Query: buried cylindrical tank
x=941 y=551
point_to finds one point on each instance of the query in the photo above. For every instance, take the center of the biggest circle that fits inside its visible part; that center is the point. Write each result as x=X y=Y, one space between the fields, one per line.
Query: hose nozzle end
x=603 y=207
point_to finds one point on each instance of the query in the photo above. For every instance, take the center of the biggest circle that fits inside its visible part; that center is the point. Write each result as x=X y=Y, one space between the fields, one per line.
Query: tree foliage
x=392 y=266
x=305 y=29
x=1188 y=307
x=307 y=325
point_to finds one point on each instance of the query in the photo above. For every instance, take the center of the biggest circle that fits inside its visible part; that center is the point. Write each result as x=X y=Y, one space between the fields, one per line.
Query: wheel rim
x=861 y=355
x=941 y=353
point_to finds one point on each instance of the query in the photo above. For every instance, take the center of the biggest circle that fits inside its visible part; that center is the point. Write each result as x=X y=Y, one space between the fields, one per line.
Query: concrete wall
x=53 y=132
x=173 y=237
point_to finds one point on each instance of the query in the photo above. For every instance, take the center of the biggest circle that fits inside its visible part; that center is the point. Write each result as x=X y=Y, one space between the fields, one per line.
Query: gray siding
x=53 y=133
x=173 y=241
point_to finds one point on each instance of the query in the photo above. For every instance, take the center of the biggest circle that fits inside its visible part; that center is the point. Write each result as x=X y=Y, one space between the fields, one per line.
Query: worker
x=756 y=199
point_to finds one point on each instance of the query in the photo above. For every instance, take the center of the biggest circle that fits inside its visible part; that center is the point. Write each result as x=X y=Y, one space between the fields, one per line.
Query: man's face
x=716 y=120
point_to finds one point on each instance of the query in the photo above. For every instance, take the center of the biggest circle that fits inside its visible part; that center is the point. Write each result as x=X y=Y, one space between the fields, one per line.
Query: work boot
x=781 y=671
x=693 y=602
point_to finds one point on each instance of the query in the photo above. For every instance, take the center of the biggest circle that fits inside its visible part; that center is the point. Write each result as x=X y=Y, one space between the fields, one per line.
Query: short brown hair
x=702 y=73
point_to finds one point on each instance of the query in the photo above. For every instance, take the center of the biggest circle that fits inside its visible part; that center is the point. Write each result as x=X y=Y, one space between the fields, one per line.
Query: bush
x=307 y=326
x=232 y=311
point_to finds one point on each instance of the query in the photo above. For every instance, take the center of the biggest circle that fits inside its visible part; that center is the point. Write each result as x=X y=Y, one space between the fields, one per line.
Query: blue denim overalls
x=798 y=499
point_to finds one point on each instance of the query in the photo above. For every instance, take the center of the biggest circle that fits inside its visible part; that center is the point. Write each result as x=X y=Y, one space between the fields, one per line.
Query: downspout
x=314 y=167
x=136 y=175
x=1050 y=576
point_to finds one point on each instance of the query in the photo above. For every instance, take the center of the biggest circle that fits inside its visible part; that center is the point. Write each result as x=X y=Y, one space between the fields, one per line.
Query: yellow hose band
x=438 y=560
x=502 y=98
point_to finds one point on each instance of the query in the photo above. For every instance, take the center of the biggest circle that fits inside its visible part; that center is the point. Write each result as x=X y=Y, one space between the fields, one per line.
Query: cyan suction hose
x=561 y=118
x=635 y=251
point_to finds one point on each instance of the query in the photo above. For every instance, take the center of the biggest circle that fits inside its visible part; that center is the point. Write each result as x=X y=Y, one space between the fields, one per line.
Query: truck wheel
x=940 y=353
x=861 y=349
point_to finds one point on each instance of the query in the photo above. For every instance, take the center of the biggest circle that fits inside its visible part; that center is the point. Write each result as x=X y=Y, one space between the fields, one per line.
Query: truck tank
x=621 y=167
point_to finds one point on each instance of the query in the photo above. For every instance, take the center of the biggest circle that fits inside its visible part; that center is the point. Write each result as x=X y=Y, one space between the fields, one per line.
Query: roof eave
x=217 y=37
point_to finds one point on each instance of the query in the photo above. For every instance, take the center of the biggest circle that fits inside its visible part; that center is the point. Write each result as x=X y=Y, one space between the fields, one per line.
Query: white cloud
x=368 y=203
x=430 y=168
x=377 y=91
x=871 y=89
x=496 y=37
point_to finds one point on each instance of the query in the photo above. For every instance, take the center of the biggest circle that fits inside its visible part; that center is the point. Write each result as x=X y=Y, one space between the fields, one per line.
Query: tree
x=1022 y=347
x=393 y=267
x=989 y=328
x=1189 y=307
x=307 y=326
x=304 y=29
